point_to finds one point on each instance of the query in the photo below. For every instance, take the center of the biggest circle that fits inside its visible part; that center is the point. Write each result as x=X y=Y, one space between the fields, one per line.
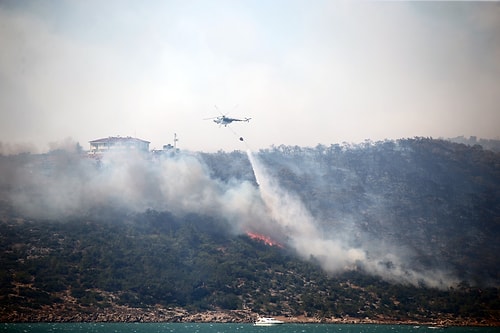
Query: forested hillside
x=400 y=230
x=440 y=200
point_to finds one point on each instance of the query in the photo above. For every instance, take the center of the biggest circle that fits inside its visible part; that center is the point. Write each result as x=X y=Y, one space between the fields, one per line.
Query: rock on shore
x=123 y=314
x=74 y=313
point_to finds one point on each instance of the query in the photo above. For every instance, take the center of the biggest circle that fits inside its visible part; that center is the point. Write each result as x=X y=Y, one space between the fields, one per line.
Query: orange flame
x=265 y=239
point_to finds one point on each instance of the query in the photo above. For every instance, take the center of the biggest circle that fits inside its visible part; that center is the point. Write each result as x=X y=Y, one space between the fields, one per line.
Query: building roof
x=114 y=139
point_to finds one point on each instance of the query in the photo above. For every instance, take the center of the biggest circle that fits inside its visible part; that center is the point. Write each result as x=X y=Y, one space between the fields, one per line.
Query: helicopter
x=223 y=120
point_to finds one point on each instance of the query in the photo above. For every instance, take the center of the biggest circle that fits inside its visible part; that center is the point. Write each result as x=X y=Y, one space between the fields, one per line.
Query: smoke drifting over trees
x=391 y=209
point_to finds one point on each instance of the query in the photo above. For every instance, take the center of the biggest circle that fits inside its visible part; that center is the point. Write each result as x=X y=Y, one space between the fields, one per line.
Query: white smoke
x=336 y=252
x=63 y=184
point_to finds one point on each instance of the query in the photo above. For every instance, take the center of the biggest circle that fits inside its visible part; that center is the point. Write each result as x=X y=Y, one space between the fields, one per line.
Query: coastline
x=60 y=314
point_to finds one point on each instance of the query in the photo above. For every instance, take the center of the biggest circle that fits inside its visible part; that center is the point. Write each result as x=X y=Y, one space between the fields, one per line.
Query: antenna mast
x=175 y=141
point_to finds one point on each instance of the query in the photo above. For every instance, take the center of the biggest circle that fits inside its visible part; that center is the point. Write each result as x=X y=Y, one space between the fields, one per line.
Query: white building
x=118 y=144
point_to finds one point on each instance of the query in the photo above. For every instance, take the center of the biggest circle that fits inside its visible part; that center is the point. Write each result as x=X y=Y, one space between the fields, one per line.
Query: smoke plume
x=65 y=184
x=338 y=251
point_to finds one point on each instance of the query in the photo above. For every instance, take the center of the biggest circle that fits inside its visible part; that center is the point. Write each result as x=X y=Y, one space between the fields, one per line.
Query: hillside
x=437 y=201
x=401 y=230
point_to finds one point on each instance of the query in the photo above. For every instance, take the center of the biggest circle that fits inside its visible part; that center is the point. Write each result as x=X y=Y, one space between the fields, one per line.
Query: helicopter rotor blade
x=218 y=110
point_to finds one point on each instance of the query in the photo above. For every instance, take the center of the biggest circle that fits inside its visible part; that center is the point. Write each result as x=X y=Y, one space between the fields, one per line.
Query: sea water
x=235 y=328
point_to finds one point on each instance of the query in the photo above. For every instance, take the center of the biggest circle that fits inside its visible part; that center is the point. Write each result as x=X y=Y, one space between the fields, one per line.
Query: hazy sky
x=306 y=72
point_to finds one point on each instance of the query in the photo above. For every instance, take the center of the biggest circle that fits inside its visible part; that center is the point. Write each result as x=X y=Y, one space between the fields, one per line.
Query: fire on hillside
x=265 y=239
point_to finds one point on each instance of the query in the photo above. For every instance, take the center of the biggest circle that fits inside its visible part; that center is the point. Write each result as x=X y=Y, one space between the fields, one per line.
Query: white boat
x=267 y=321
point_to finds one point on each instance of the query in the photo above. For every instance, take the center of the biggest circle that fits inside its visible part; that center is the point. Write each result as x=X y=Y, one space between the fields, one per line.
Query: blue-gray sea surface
x=238 y=328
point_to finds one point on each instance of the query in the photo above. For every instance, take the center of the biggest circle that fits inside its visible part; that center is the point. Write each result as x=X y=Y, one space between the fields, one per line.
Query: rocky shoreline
x=55 y=314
